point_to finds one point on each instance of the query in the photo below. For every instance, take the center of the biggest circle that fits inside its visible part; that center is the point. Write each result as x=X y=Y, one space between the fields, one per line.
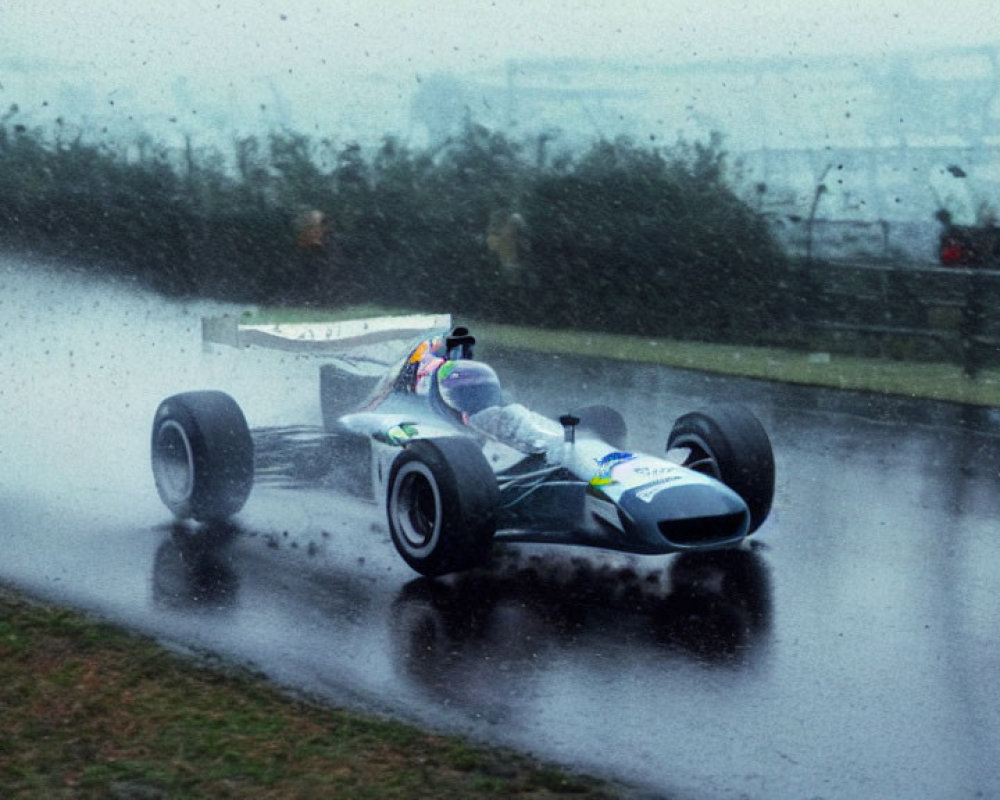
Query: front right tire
x=729 y=443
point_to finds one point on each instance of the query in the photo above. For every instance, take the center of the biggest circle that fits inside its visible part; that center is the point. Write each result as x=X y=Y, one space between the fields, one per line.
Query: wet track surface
x=851 y=652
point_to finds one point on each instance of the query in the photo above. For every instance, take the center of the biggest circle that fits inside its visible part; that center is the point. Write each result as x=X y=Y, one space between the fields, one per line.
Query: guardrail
x=923 y=312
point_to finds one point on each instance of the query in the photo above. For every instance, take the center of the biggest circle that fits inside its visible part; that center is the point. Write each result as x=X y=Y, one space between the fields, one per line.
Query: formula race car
x=458 y=466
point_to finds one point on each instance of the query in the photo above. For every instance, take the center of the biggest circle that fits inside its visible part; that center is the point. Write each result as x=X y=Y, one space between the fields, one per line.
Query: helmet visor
x=469 y=386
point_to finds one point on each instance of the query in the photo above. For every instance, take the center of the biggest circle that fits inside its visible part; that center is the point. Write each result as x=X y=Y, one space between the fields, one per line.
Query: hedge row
x=621 y=238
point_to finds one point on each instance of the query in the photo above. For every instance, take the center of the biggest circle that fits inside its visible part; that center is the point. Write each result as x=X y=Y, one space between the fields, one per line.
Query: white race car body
x=556 y=486
x=456 y=464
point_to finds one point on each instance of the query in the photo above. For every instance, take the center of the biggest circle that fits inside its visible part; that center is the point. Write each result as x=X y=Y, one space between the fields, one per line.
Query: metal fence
x=906 y=312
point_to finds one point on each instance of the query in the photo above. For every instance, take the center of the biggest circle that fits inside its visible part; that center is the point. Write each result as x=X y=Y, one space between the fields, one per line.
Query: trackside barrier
x=908 y=312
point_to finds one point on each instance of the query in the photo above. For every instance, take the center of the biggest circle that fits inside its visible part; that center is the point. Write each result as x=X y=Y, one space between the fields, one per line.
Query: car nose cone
x=682 y=515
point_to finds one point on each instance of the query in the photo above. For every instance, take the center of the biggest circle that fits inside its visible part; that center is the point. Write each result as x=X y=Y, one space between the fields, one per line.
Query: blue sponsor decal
x=606 y=465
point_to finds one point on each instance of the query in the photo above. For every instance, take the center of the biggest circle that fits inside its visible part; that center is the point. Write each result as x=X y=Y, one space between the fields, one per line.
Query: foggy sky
x=237 y=37
x=353 y=66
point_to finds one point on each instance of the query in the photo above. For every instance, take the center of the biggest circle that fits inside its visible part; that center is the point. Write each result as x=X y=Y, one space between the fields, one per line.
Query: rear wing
x=362 y=346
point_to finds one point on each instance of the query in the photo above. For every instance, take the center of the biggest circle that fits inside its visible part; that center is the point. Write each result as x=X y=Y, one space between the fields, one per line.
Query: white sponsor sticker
x=647 y=470
x=647 y=494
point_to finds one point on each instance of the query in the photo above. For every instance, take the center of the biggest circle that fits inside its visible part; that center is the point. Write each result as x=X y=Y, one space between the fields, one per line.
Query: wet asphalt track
x=852 y=652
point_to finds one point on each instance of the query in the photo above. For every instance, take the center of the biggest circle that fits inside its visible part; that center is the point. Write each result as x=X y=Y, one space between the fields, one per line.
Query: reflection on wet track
x=193 y=569
x=711 y=606
x=452 y=637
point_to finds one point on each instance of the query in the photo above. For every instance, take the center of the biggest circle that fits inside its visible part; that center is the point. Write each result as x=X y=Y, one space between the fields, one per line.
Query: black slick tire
x=442 y=504
x=729 y=443
x=202 y=455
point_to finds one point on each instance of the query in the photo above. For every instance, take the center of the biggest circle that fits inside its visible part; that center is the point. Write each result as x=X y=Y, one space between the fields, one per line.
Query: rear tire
x=729 y=443
x=202 y=455
x=442 y=505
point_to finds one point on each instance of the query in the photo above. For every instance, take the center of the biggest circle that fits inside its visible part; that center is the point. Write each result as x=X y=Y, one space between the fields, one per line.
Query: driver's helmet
x=466 y=387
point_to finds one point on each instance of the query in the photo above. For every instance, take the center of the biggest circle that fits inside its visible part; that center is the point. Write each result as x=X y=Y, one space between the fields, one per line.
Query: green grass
x=933 y=381
x=89 y=711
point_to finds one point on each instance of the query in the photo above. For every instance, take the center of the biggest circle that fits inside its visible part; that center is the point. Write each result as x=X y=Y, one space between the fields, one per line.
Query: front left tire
x=442 y=505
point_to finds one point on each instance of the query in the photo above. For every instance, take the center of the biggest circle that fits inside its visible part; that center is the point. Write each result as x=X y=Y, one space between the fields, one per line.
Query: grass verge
x=89 y=711
x=933 y=381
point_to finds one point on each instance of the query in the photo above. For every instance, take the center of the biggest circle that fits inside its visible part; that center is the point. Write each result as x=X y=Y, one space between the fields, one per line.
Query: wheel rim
x=700 y=458
x=415 y=506
x=173 y=464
